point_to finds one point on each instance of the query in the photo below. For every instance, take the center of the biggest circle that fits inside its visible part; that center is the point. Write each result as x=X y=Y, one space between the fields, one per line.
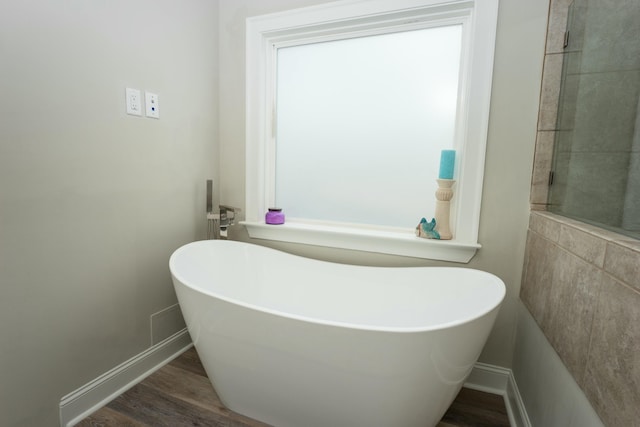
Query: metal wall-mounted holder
x=211 y=217
x=227 y=218
x=218 y=223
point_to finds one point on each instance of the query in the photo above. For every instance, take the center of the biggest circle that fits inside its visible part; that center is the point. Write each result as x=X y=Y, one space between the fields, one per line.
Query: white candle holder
x=444 y=194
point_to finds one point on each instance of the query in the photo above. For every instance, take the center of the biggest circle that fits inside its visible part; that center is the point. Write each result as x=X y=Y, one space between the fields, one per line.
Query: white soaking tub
x=297 y=342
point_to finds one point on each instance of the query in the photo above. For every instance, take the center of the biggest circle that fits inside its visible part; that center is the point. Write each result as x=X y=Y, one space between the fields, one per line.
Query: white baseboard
x=87 y=399
x=497 y=380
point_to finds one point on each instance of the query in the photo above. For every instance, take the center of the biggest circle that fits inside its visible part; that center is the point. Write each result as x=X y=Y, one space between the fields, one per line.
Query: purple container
x=275 y=216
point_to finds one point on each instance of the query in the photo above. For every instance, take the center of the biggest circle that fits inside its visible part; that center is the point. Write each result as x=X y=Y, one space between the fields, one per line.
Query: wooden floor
x=180 y=394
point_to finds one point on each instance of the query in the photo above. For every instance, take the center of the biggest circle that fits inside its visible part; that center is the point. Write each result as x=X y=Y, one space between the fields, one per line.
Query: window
x=348 y=107
x=360 y=125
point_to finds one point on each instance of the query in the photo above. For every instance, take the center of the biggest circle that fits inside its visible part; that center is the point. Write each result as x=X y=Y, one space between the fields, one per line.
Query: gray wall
x=512 y=131
x=92 y=201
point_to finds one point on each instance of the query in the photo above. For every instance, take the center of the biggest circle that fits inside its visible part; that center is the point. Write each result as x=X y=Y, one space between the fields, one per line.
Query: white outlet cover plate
x=134 y=101
x=152 y=106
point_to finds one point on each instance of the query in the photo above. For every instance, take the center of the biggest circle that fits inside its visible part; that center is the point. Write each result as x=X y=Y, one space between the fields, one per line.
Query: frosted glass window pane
x=361 y=123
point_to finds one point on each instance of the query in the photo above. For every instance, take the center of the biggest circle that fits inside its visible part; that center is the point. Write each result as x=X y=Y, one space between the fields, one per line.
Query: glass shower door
x=596 y=166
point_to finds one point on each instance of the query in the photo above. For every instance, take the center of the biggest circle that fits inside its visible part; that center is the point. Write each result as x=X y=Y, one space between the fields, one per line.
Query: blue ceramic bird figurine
x=427 y=229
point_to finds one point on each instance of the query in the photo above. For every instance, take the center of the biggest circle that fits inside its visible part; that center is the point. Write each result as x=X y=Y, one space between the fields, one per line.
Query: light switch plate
x=152 y=106
x=134 y=102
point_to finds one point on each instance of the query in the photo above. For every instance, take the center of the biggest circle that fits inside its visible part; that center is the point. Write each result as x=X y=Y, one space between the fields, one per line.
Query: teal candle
x=447 y=160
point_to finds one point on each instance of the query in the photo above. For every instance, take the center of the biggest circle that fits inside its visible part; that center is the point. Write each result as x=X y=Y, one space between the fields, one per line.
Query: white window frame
x=266 y=33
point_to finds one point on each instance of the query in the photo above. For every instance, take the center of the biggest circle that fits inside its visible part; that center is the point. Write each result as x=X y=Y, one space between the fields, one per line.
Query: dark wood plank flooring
x=180 y=394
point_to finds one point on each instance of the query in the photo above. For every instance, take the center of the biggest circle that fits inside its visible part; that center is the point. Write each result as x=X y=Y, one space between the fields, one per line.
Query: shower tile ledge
x=593 y=230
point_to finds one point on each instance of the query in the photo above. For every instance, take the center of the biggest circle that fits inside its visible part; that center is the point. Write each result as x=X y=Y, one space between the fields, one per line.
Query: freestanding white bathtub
x=296 y=342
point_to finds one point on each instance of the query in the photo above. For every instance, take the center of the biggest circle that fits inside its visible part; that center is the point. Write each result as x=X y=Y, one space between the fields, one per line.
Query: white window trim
x=266 y=33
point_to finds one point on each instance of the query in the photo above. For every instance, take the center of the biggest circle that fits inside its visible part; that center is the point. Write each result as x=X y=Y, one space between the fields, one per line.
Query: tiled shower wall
x=582 y=283
x=597 y=112
x=548 y=112
x=593 y=124
x=598 y=103
x=582 y=286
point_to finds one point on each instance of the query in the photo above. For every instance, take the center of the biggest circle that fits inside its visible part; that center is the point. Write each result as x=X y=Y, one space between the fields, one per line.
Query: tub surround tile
x=541 y=167
x=547 y=227
x=539 y=196
x=538 y=276
x=581 y=284
x=612 y=378
x=560 y=290
x=578 y=18
x=551 y=226
x=557 y=25
x=568 y=319
x=558 y=190
x=623 y=262
x=634 y=245
x=596 y=231
x=549 y=97
x=586 y=246
x=550 y=92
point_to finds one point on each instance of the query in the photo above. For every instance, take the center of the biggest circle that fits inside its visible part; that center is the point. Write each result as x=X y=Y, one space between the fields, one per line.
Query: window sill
x=364 y=239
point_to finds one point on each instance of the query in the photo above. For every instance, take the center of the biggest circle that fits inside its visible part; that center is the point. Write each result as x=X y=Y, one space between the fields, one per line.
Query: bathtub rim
x=357 y=326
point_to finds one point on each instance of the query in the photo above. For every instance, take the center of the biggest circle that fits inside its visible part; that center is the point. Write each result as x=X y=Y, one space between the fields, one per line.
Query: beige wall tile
x=588 y=247
x=550 y=92
x=572 y=298
x=557 y=25
x=612 y=377
x=539 y=196
x=541 y=223
x=583 y=226
x=586 y=312
x=538 y=275
x=596 y=231
x=623 y=262
x=625 y=242
x=542 y=166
